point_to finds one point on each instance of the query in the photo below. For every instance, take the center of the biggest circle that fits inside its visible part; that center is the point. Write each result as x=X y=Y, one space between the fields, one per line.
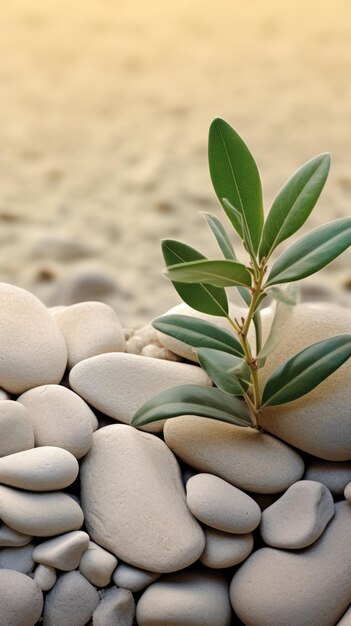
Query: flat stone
x=72 y=601
x=132 y=495
x=347 y=492
x=89 y=328
x=244 y=457
x=40 y=469
x=21 y=599
x=319 y=422
x=133 y=578
x=116 y=607
x=189 y=598
x=16 y=431
x=32 y=347
x=97 y=565
x=312 y=586
x=20 y=559
x=224 y=549
x=63 y=552
x=39 y=514
x=333 y=475
x=45 y=576
x=11 y=538
x=218 y=504
x=59 y=418
x=118 y=384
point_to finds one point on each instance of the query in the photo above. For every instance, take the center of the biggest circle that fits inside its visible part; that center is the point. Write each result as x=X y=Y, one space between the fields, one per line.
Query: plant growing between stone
x=229 y=359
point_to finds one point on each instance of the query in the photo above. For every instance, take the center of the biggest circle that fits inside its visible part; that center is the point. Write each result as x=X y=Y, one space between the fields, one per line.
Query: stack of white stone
x=260 y=533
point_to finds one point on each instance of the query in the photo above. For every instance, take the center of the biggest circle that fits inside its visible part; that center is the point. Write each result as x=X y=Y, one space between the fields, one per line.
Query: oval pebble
x=16 y=430
x=128 y=471
x=224 y=549
x=347 y=492
x=89 y=328
x=333 y=475
x=116 y=607
x=21 y=599
x=63 y=552
x=11 y=538
x=133 y=578
x=59 y=418
x=32 y=347
x=39 y=514
x=72 y=601
x=97 y=565
x=311 y=587
x=220 y=505
x=187 y=598
x=244 y=457
x=40 y=469
x=45 y=576
x=20 y=559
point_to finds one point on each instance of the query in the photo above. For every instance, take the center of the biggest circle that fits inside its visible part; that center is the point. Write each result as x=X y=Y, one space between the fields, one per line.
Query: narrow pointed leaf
x=231 y=211
x=235 y=176
x=217 y=273
x=220 y=235
x=305 y=370
x=228 y=372
x=294 y=203
x=198 y=333
x=204 y=298
x=312 y=252
x=193 y=400
x=283 y=310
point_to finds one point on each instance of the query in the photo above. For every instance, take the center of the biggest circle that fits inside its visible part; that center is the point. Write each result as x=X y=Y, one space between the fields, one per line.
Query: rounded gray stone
x=19 y=559
x=116 y=607
x=72 y=601
x=133 y=578
x=16 y=430
x=21 y=599
x=334 y=475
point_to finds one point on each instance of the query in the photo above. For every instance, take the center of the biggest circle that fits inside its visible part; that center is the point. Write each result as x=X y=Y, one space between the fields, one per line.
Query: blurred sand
x=104 y=113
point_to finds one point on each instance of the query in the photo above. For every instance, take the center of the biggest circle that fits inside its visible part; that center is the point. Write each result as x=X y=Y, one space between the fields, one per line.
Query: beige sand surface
x=104 y=112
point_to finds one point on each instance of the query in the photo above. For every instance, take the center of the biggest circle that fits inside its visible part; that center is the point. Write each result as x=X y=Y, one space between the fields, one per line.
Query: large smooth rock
x=16 y=431
x=132 y=496
x=225 y=550
x=319 y=422
x=299 y=517
x=32 y=346
x=218 y=504
x=71 y=601
x=20 y=559
x=59 y=418
x=118 y=384
x=116 y=607
x=244 y=457
x=133 y=578
x=333 y=475
x=89 y=328
x=39 y=514
x=311 y=586
x=40 y=469
x=97 y=565
x=21 y=599
x=63 y=552
x=188 y=598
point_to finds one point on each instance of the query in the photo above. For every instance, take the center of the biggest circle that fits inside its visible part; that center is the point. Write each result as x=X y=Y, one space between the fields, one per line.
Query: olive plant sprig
x=228 y=358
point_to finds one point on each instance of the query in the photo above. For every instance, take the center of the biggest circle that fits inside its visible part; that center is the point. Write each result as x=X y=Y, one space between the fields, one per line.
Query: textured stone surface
x=63 y=552
x=16 y=431
x=347 y=492
x=346 y=619
x=72 y=601
x=133 y=578
x=116 y=607
x=126 y=472
x=21 y=599
x=333 y=475
x=45 y=576
x=41 y=469
x=19 y=559
x=97 y=565
x=12 y=538
x=225 y=550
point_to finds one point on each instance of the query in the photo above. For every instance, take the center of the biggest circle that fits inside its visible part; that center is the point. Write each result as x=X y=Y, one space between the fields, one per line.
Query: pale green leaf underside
x=220 y=235
x=217 y=273
x=228 y=372
x=283 y=310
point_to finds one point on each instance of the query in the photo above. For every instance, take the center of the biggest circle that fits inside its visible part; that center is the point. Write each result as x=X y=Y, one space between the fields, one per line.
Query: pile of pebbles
x=189 y=522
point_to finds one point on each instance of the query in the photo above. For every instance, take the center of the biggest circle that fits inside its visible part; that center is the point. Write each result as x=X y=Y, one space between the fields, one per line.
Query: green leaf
x=305 y=370
x=218 y=273
x=228 y=372
x=193 y=400
x=220 y=235
x=198 y=333
x=204 y=298
x=294 y=203
x=235 y=176
x=283 y=311
x=290 y=295
x=311 y=252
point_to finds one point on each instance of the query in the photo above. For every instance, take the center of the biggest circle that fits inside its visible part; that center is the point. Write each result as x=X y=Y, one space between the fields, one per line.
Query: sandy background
x=104 y=113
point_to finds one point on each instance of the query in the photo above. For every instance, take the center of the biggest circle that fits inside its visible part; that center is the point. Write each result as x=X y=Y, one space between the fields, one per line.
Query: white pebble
x=41 y=469
x=72 y=601
x=97 y=565
x=16 y=430
x=45 y=576
x=63 y=552
x=133 y=578
x=21 y=599
x=11 y=538
x=117 y=607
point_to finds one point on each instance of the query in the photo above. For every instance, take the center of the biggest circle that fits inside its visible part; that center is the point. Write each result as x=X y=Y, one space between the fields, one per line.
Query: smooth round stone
x=32 y=346
x=4 y=395
x=347 y=492
x=225 y=550
x=346 y=619
x=118 y=384
x=72 y=601
x=39 y=514
x=218 y=504
x=97 y=565
x=16 y=430
x=311 y=587
x=299 y=517
x=187 y=598
x=63 y=552
x=40 y=469
x=59 y=418
x=333 y=475
x=116 y=607
x=45 y=576
x=89 y=328
x=21 y=599
x=244 y=457
x=11 y=538
x=20 y=559
x=319 y=422
x=132 y=495
x=132 y=578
